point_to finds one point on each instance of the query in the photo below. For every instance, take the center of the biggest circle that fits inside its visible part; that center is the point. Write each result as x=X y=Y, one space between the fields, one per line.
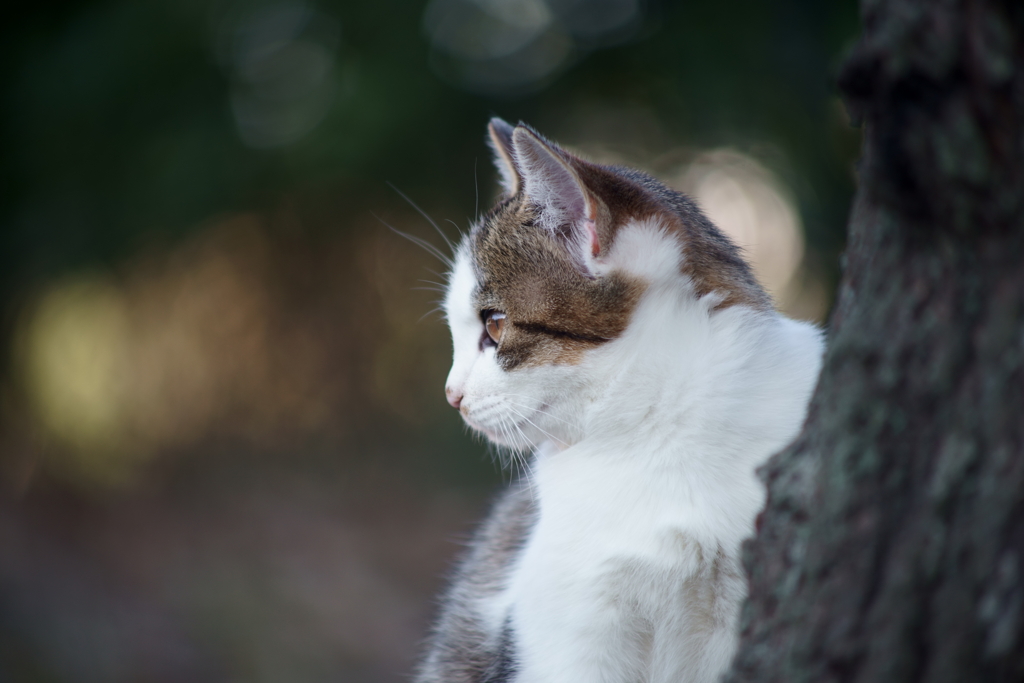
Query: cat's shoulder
x=498 y=540
x=471 y=642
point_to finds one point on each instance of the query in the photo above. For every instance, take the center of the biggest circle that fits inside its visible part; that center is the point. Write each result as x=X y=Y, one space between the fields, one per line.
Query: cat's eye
x=495 y=323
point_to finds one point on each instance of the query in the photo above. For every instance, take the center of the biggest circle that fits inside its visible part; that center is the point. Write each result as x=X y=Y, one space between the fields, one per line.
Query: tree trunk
x=892 y=546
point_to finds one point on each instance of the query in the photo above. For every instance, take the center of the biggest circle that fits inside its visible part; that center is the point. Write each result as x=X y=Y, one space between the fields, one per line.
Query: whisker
x=542 y=431
x=508 y=437
x=528 y=471
x=506 y=432
x=420 y=242
x=528 y=407
x=519 y=442
x=454 y=224
x=451 y=247
x=435 y=309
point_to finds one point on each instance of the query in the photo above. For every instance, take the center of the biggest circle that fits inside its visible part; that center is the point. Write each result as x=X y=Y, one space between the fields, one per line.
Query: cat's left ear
x=568 y=209
x=499 y=137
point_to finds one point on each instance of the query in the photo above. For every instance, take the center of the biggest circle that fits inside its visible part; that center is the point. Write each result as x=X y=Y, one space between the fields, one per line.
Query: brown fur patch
x=554 y=311
x=712 y=262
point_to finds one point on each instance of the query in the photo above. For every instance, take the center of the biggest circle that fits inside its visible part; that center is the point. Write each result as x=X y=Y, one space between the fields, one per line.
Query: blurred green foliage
x=117 y=127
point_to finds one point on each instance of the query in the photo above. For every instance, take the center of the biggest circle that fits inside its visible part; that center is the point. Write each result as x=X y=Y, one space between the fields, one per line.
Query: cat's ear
x=499 y=137
x=568 y=208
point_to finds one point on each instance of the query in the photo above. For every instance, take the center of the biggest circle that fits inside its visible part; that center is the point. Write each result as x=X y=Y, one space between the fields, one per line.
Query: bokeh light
x=280 y=59
x=71 y=355
x=752 y=205
x=510 y=47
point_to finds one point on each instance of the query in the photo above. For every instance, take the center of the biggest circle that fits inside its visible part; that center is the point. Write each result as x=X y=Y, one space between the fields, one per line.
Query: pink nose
x=454 y=398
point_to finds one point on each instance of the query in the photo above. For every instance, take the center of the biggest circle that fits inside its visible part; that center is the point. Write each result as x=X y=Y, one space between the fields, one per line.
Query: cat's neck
x=684 y=373
x=691 y=373
x=693 y=401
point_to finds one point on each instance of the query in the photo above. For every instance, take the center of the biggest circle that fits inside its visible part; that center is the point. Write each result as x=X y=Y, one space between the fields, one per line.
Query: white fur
x=643 y=471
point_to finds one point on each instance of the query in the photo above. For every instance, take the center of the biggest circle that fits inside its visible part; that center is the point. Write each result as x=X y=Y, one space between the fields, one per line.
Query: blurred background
x=225 y=453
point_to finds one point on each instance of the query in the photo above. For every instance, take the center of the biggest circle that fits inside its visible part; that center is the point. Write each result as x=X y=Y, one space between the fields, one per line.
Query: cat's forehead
x=509 y=249
x=521 y=268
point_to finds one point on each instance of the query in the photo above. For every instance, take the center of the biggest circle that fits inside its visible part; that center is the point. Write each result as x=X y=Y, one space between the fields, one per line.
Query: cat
x=603 y=324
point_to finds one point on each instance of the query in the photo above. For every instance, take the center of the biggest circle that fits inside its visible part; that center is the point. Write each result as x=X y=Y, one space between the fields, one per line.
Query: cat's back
x=470 y=642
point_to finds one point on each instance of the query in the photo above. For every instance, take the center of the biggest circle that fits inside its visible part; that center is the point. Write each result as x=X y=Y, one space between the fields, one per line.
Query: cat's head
x=547 y=284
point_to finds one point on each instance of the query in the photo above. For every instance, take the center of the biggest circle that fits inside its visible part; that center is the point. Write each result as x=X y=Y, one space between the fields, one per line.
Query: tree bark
x=892 y=545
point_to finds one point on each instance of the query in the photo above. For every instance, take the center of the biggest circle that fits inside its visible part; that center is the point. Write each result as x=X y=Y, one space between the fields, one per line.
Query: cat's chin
x=510 y=435
x=495 y=436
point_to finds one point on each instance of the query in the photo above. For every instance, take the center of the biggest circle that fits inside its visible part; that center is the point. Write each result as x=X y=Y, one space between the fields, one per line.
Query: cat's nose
x=454 y=397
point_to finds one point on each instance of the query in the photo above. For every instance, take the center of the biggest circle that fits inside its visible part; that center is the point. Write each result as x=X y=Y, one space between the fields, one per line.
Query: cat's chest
x=607 y=540
x=598 y=515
